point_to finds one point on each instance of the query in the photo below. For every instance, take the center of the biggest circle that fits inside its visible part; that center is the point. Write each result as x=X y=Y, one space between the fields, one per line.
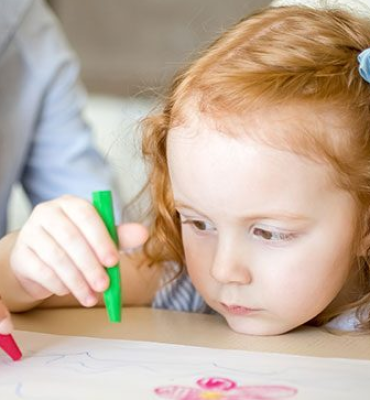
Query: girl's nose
x=228 y=267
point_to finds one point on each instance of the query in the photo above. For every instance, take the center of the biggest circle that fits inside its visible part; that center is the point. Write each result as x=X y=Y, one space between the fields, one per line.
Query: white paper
x=78 y=368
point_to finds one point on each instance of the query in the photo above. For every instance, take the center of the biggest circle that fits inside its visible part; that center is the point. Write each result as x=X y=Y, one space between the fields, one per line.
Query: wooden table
x=146 y=324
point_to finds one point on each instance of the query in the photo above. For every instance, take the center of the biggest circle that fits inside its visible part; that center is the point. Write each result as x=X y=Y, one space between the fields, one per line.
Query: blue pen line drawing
x=75 y=368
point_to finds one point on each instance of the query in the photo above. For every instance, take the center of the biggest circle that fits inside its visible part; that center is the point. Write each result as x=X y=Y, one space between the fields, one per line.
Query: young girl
x=261 y=188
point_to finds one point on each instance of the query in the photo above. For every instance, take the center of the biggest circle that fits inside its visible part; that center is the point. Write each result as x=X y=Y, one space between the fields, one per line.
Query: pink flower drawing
x=225 y=389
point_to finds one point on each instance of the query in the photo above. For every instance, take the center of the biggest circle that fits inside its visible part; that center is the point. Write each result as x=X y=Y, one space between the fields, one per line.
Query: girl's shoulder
x=346 y=322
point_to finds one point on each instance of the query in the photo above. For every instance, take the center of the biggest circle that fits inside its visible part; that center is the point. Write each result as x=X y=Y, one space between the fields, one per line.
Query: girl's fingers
x=37 y=291
x=84 y=215
x=69 y=238
x=52 y=266
x=132 y=235
x=64 y=246
x=37 y=278
x=6 y=325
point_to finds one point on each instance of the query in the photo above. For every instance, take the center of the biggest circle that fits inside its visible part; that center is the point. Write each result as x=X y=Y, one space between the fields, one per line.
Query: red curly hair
x=277 y=56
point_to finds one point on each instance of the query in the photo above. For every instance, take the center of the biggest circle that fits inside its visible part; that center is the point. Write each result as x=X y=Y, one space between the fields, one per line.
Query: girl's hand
x=6 y=325
x=63 y=247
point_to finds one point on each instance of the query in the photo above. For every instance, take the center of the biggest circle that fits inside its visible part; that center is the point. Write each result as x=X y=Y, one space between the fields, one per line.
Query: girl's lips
x=238 y=310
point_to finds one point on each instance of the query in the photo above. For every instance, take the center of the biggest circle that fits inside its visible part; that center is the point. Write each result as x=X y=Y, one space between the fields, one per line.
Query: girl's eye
x=272 y=236
x=199 y=225
x=202 y=225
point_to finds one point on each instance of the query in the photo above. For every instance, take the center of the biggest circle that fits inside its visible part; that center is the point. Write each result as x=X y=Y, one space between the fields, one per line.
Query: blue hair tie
x=364 y=67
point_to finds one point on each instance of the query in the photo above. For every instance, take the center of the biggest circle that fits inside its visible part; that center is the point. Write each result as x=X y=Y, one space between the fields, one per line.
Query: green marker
x=102 y=201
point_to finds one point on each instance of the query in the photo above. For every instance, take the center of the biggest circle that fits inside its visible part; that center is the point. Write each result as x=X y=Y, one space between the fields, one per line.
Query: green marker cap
x=102 y=201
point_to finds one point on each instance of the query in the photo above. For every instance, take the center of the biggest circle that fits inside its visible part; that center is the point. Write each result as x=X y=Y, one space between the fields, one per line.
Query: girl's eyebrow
x=179 y=204
x=276 y=214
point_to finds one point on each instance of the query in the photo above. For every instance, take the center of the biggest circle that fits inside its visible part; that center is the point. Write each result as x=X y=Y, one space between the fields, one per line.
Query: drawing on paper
x=97 y=369
x=225 y=389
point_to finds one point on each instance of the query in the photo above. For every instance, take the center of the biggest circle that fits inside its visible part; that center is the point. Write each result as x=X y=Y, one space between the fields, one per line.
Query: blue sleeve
x=61 y=157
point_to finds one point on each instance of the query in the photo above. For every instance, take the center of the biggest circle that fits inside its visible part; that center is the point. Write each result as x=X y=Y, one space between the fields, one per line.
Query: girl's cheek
x=198 y=256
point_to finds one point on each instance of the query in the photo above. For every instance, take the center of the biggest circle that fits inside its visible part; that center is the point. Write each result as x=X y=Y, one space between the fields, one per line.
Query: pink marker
x=8 y=344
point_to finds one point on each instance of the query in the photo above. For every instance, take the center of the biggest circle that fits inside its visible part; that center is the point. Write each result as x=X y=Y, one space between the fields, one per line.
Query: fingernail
x=101 y=284
x=90 y=300
x=111 y=260
x=6 y=326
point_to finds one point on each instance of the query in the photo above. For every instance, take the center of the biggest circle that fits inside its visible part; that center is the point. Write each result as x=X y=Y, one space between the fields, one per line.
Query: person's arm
x=57 y=259
x=62 y=158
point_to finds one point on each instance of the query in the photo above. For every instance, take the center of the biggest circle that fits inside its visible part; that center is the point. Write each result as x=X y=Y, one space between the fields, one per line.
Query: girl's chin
x=255 y=328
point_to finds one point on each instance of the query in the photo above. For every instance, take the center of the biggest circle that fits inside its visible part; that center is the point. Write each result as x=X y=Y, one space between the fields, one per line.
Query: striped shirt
x=179 y=294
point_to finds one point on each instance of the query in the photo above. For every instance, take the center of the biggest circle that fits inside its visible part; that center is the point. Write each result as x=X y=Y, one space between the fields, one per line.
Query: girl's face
x=267 y=235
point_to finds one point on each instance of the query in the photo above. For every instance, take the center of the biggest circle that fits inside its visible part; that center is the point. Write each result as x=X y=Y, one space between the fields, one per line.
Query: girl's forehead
x=301 y=128
x=213 y=170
